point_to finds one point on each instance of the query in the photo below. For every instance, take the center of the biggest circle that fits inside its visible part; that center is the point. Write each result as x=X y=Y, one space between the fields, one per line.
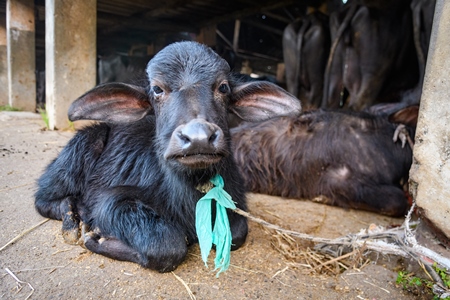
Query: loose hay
x=332 y=256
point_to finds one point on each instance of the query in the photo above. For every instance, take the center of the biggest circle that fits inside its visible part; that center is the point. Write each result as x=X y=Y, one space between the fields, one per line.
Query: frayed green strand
x=221 y=234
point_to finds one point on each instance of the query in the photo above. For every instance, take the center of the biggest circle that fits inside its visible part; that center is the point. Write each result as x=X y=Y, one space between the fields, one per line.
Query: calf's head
x=190 y=93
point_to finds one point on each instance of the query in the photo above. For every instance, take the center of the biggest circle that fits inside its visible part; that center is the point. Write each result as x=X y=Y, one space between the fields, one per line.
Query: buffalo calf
x=133 y=178
x=348 y=157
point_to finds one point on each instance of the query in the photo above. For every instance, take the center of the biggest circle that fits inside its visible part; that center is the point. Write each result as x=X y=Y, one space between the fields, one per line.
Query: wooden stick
x=23 y=233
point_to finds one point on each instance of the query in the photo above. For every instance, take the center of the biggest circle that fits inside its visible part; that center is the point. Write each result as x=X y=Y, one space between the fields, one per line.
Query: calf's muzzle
x=197 y=144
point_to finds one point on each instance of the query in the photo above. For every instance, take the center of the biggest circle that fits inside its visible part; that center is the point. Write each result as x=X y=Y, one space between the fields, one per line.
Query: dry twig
x=279 y=272
x=16 y=187
x=372 y=284
x=42 y=269
x=23 y=233
x=191 y=295
x=20 y=282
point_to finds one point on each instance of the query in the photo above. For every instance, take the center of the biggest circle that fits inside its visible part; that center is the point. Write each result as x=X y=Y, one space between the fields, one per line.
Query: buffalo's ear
x=112 y=102
x=399 y=112
x=261 y=100
x=407 y=116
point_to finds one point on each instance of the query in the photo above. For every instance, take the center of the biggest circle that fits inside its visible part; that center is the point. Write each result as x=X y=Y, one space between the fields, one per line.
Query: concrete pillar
x=21 y=54
x=430 y=173
x=70 y=55
x=4 y=100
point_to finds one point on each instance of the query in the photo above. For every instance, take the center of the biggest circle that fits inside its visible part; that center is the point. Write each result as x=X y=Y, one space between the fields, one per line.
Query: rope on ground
x=399 y=241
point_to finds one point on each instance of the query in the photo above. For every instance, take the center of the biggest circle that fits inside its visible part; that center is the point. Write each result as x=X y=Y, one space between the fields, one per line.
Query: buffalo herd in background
x=364 y=53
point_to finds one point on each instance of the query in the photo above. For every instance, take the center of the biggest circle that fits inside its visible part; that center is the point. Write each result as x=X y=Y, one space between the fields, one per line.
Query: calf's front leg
x=130 y=230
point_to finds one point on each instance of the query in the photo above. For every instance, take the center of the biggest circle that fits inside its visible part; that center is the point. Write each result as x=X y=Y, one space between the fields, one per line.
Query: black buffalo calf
x=133 y=178
x=348 y=157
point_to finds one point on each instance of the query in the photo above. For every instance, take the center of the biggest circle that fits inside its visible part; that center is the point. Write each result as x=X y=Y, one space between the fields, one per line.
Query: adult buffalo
x=372 y=58
x=306 y=46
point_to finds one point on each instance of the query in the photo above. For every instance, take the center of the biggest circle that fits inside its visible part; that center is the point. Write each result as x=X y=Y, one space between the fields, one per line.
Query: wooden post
x=70 y=55
x=281 y=73
x=237 y=29
x=207 y=36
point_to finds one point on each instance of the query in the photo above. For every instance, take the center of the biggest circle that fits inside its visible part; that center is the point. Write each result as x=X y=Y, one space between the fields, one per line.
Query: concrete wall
x=430 y=173
x=21 y=62
x=3 y=63
x=70 y=57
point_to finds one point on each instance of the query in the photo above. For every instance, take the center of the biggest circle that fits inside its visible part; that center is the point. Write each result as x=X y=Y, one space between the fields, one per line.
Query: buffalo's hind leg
x=388 y=200
x=66 y=211
x=130 y=230
x=363 y=192
x=384 y=199
x=64 y=181
x=70 y=222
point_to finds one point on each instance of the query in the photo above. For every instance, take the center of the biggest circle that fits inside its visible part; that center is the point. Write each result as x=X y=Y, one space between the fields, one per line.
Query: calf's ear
x=112 y=102
x=262 y=100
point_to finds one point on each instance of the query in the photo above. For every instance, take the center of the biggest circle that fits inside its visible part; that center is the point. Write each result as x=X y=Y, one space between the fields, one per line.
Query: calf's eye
x=224 y=88
x=157 y=90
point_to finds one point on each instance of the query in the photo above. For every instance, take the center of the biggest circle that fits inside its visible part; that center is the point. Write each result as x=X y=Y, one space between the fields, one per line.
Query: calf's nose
x=199 y=136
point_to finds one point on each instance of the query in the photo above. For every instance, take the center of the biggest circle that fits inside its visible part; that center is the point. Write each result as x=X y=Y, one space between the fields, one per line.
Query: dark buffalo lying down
x=133 y=179
x=348 y=157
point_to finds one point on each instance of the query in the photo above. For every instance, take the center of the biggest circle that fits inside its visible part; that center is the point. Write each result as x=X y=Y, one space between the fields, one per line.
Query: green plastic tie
x=221 y=235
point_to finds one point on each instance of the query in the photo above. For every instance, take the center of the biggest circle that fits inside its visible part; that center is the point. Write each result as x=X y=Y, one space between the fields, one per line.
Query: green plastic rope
x=221 y=235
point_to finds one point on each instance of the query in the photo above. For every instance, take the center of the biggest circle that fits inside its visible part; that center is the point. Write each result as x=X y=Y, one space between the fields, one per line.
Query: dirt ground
x=55 y=270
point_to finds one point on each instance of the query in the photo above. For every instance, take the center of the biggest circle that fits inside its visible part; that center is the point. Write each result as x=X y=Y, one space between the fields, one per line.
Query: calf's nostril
x=213 y=137
x=184 y=139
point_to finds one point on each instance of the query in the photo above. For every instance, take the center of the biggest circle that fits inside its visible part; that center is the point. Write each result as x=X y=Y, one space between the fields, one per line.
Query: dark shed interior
x=142 y=27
